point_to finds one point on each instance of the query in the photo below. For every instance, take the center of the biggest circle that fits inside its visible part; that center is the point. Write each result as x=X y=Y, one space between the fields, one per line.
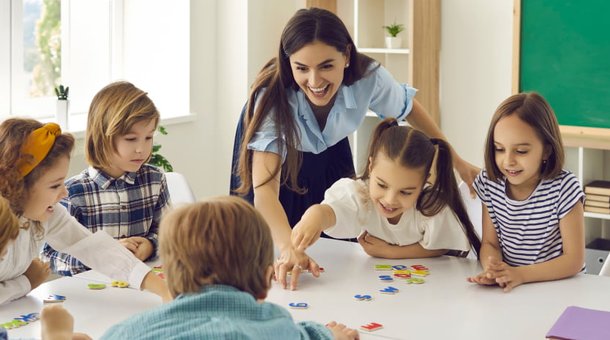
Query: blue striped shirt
x=130 y=205
x=217 y=312
x=528 y=230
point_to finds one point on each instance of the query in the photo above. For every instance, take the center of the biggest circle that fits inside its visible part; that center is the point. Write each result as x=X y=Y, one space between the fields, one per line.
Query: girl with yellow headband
x=34 y=160
x=405 y=205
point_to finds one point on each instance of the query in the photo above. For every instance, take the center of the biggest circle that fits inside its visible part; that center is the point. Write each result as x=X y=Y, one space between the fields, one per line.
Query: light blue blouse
x=379 y=92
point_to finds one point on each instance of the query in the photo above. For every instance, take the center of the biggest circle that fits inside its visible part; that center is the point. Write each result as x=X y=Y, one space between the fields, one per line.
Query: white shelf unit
x=372 y=50
x=416 y=63
x=589 y=164
x=588 y=157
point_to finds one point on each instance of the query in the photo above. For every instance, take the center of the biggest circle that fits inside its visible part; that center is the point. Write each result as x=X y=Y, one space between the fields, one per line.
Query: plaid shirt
x=130 y=205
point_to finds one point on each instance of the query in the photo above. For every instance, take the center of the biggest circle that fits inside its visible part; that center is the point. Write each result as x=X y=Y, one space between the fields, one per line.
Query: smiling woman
x=292 y=137
x=318 y=70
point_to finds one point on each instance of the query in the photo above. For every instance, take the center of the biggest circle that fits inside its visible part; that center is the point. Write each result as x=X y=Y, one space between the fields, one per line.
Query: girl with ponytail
x=406 y=204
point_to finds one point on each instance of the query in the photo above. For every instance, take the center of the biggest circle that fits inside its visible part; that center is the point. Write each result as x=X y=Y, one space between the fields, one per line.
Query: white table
x=94 y=311
x=445 y=306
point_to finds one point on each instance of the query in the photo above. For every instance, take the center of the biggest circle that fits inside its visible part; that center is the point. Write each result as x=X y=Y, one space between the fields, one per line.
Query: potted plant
x=63 y=105
x=392 y=40
x=156 y=158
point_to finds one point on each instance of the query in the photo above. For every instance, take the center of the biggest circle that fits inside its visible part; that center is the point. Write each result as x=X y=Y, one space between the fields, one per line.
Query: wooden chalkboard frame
x=574 y=136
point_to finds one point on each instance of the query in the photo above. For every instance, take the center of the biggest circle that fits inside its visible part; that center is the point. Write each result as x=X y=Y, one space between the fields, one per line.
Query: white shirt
x=355 y=213
x=98 y=251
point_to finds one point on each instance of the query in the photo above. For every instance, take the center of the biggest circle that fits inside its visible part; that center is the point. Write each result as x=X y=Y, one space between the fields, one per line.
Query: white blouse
x=98 y=251
x=355 y=213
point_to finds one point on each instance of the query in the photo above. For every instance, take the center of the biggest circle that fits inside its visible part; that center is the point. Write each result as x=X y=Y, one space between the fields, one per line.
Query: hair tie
x=393 y=122
x=37 y=147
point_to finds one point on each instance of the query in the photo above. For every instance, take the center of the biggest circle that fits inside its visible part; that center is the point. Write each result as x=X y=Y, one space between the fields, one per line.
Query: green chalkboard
x=564 y=54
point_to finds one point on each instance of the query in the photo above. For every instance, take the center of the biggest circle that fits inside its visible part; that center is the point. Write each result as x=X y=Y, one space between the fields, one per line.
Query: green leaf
x=62 y=92
x=394 y=29
x=156 y=158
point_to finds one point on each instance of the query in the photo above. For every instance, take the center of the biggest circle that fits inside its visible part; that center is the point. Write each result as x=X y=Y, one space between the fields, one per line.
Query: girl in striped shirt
x=533 y=220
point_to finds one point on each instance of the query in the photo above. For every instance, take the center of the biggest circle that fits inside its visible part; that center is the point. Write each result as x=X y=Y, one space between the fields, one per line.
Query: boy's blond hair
x=223 y=240
x=114 y=110
x=9 y=224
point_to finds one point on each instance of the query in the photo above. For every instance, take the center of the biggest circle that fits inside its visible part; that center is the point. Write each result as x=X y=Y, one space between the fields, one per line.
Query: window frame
x=11 y=35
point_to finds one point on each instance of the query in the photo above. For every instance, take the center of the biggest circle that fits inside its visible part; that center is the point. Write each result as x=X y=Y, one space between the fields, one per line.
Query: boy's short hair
x=9 y=225
x=114 y=110
x=222 y=240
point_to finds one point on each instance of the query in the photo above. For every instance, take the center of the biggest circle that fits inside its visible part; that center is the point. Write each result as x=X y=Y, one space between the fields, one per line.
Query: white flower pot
x=61 y=116
x=393 y=42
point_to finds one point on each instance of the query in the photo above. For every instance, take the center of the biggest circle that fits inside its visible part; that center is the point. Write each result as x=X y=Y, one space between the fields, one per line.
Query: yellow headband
x=37 y=147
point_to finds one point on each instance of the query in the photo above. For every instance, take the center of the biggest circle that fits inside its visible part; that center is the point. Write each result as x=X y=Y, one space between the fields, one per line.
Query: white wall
x=476 y=69
x=266 y=20
x=192 y=147
x=241 y=53
x=231 y=40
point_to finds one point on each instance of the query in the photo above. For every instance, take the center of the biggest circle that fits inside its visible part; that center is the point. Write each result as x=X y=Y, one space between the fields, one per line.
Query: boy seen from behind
x=218 y=295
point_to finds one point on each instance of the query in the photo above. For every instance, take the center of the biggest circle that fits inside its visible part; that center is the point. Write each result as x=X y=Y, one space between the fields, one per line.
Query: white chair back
x=179 y=189
x=474 y=210
x=605 y=271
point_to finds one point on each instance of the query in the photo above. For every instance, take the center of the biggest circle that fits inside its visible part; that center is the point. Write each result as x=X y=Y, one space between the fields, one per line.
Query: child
x=119 y=193
x=217 y=294
x=397 y=214
x=34 y=161
x=9 y=227
x=533 y=223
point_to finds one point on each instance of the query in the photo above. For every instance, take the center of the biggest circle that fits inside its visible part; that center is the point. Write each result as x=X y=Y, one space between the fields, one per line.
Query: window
x=88 y=44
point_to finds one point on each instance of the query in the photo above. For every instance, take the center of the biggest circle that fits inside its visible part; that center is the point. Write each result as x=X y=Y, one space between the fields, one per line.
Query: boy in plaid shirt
x=119 y=193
